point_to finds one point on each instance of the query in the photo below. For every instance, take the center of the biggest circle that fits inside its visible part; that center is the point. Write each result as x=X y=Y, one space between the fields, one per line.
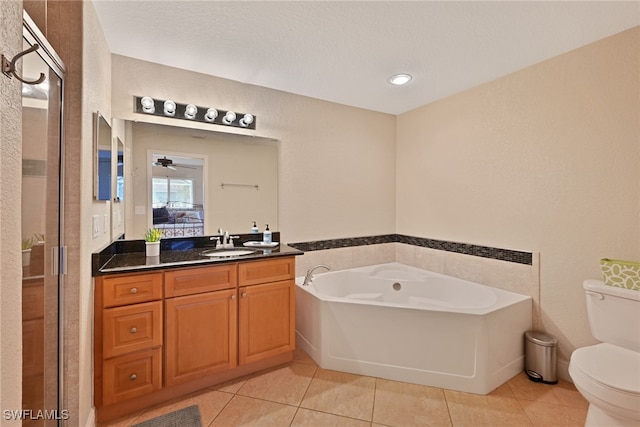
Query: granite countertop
x=129 y=256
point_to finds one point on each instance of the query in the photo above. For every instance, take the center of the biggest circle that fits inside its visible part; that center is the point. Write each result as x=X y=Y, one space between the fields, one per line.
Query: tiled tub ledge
x=509 y=255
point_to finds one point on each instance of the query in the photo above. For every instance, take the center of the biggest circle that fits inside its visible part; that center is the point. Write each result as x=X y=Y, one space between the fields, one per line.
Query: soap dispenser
x=266 y=236
x=254 y=229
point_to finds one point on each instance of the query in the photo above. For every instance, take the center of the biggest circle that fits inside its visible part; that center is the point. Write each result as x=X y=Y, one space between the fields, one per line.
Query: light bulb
x=211 y=115
x=169 y=108
x=246 y=120
x=148 y=106
x=400 y=79
x=190 y=111
x=229 y=118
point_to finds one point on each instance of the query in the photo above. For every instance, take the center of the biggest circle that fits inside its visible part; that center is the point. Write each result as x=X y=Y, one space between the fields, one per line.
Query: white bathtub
x=434 y=330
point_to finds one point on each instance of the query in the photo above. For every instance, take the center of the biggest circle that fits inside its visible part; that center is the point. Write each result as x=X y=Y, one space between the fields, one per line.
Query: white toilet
x=608 y=374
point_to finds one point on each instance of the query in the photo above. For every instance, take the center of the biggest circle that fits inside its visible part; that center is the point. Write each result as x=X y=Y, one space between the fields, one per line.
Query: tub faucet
x=309 y=276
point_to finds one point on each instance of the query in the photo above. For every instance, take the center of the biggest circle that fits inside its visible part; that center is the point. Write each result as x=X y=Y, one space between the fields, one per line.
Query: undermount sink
x=225 y=253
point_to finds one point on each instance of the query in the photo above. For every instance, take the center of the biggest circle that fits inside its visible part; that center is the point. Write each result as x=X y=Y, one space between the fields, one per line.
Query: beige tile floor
x=302 y=394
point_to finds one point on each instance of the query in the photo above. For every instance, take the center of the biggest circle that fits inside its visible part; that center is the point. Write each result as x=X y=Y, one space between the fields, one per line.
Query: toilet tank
x=614 y=314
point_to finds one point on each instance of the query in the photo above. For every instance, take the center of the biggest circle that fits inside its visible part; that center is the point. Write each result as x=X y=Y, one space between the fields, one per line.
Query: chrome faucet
x=227 y=240
x=309 y=276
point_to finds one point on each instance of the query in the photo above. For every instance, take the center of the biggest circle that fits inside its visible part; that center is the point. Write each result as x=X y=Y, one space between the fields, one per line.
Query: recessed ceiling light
x=400 y=79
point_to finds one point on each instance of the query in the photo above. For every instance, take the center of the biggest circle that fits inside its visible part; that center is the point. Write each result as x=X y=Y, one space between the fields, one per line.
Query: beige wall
x=96 y=96
x=336 y=163
x=546 y=160
x=10 y=179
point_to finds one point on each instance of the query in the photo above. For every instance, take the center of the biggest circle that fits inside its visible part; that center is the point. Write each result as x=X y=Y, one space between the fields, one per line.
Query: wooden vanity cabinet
x=200 y=324
x=266 y=322
x=194 y=327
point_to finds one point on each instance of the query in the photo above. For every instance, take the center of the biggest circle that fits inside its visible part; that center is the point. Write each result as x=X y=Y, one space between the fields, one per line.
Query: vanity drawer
x=131 y=289
x=189 y=281
x=133 y=375
x=252 y=273
x=132 y=328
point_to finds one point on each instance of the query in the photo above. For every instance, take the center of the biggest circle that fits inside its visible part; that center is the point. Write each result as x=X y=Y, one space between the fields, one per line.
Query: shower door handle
x=58 y=260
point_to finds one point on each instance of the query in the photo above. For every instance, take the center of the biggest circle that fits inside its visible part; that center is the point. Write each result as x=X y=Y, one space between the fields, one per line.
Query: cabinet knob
x=233 y=297
x=244 y=295
x=133 y=377
x=133 y=330
x=134 y=290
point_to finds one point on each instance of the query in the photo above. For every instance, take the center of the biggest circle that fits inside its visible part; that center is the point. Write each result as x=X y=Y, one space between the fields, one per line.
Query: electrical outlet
x=105 y=228
x=96 y=226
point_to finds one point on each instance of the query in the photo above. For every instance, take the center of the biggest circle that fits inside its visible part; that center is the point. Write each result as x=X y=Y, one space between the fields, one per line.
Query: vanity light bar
x=191 y=112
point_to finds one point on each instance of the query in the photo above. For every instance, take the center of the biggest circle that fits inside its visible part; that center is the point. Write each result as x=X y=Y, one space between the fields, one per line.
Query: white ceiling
x=345 y=51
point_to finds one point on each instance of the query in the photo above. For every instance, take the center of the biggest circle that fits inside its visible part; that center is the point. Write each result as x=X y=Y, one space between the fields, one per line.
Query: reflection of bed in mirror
x=179 y=219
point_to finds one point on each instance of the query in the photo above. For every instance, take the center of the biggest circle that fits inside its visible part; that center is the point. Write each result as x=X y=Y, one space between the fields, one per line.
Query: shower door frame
x=31 y=34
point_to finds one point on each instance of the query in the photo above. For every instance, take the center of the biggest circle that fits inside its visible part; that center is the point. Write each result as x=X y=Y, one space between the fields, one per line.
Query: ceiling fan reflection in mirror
x=169 y=164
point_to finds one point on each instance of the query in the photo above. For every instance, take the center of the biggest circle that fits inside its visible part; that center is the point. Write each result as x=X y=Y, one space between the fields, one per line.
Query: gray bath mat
x=185 y=417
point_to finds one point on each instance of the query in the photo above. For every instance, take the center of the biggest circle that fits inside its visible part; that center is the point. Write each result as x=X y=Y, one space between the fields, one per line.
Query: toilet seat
x=609 y=377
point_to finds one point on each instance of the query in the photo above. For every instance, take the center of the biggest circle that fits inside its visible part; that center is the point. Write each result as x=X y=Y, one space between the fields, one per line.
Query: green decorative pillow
x=621 y=274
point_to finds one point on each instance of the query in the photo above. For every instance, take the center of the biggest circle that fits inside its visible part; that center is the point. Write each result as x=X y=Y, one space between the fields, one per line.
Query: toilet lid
x=610 y=365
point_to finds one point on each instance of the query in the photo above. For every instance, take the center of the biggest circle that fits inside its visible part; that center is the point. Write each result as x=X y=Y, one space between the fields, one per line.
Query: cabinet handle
x=244 y=295
x=133 y=377
x=134 y=290
x=133 y=330
x=233 y=297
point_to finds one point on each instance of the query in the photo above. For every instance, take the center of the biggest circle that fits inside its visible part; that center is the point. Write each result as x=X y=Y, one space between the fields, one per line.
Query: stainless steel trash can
x=541 y=357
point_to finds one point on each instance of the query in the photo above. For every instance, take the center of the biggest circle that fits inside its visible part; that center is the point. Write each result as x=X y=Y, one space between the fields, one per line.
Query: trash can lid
x=541 y=338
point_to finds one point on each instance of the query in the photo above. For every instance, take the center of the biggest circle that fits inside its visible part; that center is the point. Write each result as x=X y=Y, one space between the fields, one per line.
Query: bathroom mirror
x=102 y=158
x=238 y=182
x=119 y=196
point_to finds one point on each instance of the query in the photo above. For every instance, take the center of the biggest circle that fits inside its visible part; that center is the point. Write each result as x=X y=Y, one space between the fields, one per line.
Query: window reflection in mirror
x=177 y=197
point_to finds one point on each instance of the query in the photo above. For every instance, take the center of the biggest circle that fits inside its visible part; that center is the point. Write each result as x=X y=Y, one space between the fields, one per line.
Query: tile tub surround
x=464 y=261
x=519 y=257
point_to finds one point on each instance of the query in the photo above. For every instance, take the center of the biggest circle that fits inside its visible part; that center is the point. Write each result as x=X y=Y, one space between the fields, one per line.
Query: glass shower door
x=41 y=232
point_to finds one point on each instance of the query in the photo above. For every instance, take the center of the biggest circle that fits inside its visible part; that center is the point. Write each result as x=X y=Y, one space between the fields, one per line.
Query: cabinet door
x=33 y=299
x=266 y=321
x=33 y=347
x=200 y=335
